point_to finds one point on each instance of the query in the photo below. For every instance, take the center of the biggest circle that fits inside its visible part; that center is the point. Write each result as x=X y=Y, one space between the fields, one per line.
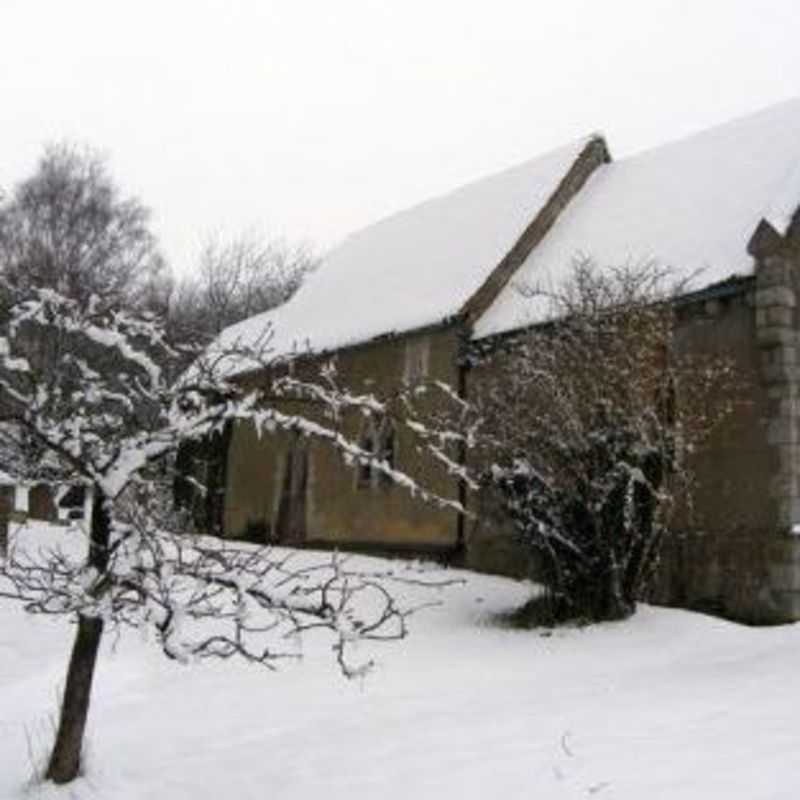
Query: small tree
x=109 y=413
x=587 y=431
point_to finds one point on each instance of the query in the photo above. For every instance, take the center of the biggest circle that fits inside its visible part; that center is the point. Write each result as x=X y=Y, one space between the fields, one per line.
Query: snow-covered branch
x=586 y=427
x=206 y=598
x=104 y=398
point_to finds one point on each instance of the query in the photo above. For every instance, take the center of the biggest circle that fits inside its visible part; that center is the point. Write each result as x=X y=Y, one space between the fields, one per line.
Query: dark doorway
x=290 y=526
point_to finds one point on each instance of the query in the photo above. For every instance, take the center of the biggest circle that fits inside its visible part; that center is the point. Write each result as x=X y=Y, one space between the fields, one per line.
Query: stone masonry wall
x=741 y=556
x=778 y=281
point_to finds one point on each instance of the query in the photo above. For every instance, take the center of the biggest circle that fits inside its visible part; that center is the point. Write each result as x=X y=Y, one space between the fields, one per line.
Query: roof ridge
x=711 y=130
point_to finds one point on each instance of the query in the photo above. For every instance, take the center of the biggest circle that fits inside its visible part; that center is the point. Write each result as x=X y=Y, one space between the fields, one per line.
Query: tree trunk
x=7 y=495
x=614 y=604
x=3 y=535
x=65 y=760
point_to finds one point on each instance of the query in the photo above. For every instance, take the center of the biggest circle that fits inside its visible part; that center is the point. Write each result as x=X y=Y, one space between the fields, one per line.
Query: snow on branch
x=206 y=598
x=586 y=428
x=108 y=401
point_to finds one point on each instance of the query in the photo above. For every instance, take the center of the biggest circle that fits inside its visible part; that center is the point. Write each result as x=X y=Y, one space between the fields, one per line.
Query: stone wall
x=742 y=559
x=721 y=554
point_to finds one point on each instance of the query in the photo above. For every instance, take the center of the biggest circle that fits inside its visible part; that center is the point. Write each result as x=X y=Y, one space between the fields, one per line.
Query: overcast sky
x=311 y=118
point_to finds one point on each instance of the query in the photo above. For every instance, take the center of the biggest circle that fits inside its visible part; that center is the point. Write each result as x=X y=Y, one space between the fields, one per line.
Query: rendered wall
x=282 y=487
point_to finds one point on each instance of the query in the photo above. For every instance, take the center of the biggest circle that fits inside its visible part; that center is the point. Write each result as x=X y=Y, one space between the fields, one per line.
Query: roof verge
x=594 y=154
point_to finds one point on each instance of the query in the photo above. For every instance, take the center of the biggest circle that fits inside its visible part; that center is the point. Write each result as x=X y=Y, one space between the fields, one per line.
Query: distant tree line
x=69 y=227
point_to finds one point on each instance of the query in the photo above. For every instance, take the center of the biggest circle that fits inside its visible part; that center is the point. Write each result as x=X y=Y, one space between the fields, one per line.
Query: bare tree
x=69 y=227
x=118 y=431
x=587 y=424
x=236 y=279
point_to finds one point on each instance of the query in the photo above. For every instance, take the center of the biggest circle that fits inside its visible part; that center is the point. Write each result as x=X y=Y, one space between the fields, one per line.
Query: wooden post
x=6 y=509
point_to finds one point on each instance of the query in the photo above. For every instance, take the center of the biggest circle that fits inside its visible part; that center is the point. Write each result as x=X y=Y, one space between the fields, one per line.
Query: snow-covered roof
x=415 y=268
x=691 y=205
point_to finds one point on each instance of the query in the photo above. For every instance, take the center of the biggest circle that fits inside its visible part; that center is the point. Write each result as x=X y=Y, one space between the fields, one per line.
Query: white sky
x=310 y=118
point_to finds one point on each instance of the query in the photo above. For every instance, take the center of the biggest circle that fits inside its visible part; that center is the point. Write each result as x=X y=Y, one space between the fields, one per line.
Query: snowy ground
x=666 y=705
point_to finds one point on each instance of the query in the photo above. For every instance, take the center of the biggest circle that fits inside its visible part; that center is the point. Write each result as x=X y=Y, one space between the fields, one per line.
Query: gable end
x=593 y=155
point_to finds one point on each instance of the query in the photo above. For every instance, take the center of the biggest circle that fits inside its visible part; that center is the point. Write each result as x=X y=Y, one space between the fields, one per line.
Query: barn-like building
x=399 y=301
